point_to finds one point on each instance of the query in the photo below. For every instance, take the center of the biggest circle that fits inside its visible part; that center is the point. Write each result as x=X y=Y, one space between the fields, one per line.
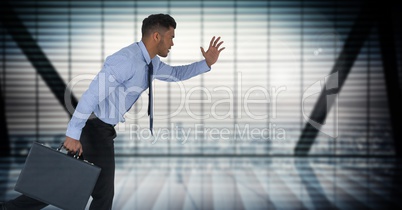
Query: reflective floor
x=245 y=183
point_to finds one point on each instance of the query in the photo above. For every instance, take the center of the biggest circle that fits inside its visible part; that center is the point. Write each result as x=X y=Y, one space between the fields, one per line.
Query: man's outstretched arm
x=169 y=73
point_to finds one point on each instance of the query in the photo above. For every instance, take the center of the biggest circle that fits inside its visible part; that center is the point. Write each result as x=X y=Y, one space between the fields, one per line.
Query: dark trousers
x=98 y=146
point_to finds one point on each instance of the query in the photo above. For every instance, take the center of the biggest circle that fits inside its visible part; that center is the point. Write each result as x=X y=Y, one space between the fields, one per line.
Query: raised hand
x=212 y=54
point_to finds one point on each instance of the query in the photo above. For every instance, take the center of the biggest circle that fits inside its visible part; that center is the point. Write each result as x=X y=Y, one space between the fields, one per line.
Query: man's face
x=166 y=42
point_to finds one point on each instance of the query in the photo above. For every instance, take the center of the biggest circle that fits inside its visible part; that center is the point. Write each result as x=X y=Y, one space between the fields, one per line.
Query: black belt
x=95 y=118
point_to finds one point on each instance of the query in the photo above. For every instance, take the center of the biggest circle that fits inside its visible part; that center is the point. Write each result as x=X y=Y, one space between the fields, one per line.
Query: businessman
x=123 y=77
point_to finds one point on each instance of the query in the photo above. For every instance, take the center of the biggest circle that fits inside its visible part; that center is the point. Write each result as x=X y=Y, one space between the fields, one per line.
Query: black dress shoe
x=2 y=206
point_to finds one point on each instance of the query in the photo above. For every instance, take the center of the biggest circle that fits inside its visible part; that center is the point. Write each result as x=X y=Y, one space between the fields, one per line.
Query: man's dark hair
x=155 y=21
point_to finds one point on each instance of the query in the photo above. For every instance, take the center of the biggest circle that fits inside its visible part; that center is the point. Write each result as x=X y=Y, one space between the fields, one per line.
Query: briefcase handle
x=76 y=156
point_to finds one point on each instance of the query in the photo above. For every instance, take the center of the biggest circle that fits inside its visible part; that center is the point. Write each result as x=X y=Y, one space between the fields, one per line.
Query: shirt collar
x=144 y=52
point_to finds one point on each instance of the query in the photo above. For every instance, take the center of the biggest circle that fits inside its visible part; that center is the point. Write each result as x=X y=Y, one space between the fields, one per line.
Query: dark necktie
x=150 y=97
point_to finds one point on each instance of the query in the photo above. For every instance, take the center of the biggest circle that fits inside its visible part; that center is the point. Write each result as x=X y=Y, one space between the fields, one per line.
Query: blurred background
x=300 y=112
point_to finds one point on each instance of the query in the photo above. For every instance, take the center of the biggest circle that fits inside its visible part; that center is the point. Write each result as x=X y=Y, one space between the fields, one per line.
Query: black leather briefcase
x=56 y=178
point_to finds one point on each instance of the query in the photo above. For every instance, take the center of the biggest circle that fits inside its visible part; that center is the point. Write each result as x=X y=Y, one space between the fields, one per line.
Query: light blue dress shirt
x=120 y=83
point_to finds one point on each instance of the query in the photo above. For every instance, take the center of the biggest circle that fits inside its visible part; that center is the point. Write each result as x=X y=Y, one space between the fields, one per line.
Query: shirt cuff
x=204 y=66
x=74 y=133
